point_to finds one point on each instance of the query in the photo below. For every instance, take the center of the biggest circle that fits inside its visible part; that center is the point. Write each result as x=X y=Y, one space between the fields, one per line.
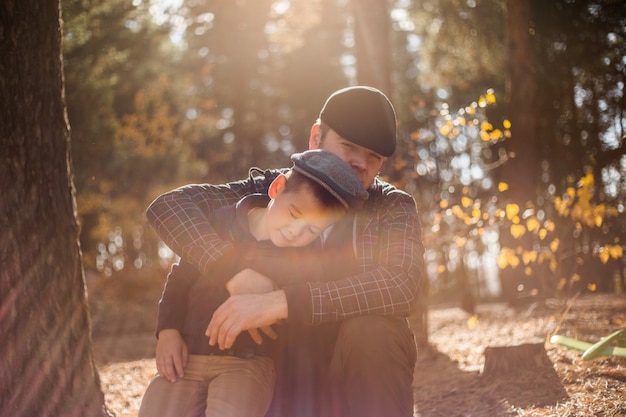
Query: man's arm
x=387 y=288
x=181 y=218
x=390 y=254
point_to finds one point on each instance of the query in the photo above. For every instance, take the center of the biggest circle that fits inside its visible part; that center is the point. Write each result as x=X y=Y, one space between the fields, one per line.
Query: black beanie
x=363 y=115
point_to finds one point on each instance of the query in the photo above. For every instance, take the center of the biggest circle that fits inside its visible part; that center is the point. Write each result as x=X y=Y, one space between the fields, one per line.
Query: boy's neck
x=257 y=223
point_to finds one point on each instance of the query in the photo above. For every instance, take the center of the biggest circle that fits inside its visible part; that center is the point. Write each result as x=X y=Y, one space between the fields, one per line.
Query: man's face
x=364 y=162
x=297 y=218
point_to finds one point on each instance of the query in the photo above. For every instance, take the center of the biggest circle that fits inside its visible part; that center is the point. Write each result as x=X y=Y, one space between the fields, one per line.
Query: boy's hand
x=171 y=355
x=249 y=281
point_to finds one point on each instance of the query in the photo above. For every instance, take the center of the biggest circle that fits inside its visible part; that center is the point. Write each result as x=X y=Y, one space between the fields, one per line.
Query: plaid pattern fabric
x=387 y=240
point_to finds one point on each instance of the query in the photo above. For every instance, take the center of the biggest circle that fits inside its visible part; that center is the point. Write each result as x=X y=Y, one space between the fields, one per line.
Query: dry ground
x=448 y=378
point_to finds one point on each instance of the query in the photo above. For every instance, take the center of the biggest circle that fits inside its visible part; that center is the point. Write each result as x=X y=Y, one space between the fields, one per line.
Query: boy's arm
x=173 y=303
x=181 y=218
x=171 y=350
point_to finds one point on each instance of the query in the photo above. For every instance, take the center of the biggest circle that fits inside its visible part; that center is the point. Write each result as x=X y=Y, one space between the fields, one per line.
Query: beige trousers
x=213 y=386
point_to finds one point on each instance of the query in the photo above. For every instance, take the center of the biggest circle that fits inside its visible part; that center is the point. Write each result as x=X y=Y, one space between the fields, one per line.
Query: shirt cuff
x=299 y=304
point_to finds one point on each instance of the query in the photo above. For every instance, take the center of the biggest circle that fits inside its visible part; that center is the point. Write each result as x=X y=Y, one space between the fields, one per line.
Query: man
x=356 y=318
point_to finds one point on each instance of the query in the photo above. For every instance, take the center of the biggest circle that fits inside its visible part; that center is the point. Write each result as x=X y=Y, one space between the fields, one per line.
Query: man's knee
x=375 y=335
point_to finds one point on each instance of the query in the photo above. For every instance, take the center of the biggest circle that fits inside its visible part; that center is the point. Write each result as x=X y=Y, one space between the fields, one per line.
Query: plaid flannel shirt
x=387 y=241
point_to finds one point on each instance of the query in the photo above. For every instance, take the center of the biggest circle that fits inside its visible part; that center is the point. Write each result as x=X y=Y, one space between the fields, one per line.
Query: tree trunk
x=371 y=33
x=522 y=172
x=47 y=362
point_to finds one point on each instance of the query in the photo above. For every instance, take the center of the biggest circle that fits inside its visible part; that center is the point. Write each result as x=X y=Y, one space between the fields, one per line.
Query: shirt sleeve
x=181 y=218
x=393 y=269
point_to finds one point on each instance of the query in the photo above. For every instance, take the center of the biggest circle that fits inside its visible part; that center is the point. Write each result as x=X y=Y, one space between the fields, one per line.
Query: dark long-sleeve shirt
x=386 y=238
x=190 y=299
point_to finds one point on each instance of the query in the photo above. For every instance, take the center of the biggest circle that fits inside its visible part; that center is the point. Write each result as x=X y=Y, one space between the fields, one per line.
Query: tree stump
x=516 y=361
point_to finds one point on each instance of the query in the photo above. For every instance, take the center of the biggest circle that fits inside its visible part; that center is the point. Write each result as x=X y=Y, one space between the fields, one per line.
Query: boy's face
x=364 y=162
x=297 y=218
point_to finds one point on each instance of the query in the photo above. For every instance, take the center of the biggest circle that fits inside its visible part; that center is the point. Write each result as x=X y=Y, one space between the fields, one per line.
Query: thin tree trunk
x=46 y=353
x=371 y=33
x=523 y=171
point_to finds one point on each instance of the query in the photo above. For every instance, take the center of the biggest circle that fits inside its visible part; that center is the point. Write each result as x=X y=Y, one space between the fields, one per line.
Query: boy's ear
x=277 y=186
x=315 y=137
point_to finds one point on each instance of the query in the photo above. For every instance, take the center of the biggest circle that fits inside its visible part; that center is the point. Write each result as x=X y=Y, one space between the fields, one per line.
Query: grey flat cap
x=332 y=173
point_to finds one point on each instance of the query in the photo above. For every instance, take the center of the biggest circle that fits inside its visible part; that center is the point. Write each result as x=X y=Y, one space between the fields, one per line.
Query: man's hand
x=245 y=312
x=249 y=281
x=171 y=355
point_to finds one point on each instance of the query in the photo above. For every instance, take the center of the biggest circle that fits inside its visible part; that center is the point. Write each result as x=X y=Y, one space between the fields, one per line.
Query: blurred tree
x=48 y=367
x=371 y=38
x=130 y=126
x=560 y=128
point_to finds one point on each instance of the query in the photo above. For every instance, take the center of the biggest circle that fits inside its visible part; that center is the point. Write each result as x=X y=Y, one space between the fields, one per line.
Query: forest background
x=511 y=123
x=511 y=140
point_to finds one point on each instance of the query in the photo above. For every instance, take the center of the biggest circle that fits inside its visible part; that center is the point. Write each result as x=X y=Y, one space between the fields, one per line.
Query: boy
x=239 y=381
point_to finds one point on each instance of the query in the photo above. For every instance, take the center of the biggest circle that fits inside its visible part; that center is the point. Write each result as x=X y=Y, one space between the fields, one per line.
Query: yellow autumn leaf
x=575 y=278
x=441 y=269
x=506 y=123
x=503 y=186
x=466 y=201
x=486 y=126
x=529 y=256
x=554 y=245
x=528 y=271
x=476 y=213
x=517 y=230
x=504 y=257
x=496 y=134
x=484 y=136
x=460 y=241
x=591 y=287
x=561 y=284
x=472 y=322
x=549 y=225
x=604 y=255
x=552 y=265
x=491 y=98
x=502 y=261
x=443 y=204
x=598 y=220
x=542 y=234
x=616 y=251
x=587 y=180
x=511 y=210
x=532 y=224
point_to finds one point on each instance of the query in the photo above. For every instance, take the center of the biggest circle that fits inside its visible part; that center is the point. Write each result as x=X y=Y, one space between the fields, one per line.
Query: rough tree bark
x=46 y=353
